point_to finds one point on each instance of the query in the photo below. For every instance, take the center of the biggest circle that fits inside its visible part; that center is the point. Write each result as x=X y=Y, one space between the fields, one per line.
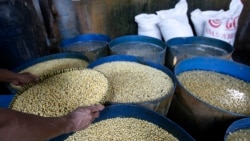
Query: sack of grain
x=174 y=22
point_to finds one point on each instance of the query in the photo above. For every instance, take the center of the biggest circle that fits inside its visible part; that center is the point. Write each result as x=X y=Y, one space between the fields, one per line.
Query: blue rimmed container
x=139 y=112
x=160 y=105
x=145 y=47
x=185 y=47
x=93 y=46
x=202 y=120
x=242 y=124
x=44 y=59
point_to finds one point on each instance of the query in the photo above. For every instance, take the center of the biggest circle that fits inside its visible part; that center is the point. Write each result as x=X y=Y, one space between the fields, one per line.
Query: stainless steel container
x=146 y=48
x=139 y=112
x=185 y=47
x=202 y=120
x=93 y=46
x=160 y=105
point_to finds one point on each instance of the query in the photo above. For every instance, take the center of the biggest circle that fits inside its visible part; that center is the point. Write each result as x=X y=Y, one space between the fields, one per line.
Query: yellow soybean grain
x=122 y=129
x=239 y=135
x=220 y=90
x=62 y=93
x=134 y=82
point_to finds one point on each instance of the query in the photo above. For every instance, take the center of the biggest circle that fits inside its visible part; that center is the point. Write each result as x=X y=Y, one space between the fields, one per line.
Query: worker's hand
x=24 y=78
x=82 y=117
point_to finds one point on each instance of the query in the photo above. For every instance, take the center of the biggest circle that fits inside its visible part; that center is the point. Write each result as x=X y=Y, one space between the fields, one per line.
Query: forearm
x=19 y=126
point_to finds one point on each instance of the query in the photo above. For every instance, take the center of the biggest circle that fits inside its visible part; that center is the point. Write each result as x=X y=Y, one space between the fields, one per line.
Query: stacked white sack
x=148 y=25
x=220 y=24
x=174 y=22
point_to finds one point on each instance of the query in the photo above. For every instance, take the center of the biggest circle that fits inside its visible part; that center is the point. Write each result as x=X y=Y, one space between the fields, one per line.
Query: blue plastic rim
x=139 y=112
x=5 y=100
x=201 y=40
x=84 y=38
x=137 y=38
x=243 y=123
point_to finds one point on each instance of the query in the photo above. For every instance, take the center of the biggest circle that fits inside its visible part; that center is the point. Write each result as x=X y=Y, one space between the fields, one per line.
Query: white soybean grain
x=122 y=129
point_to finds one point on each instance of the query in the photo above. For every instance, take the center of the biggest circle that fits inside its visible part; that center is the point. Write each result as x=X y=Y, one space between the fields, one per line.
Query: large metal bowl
x=93 y=46
x=139 y=112
x=202 y=120
x=160 y=105
x=180 y=48
x=145 y=47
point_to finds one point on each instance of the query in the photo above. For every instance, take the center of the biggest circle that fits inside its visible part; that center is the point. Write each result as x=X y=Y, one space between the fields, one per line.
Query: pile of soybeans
x=132 y=82
x=61 y=93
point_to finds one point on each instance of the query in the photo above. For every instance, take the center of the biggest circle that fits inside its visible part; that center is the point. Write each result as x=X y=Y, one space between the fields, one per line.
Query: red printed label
x=215 y=23
x=231 y=23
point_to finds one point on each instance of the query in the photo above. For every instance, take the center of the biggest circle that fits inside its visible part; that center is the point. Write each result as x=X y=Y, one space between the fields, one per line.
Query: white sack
x=199 y=19
x=148 y=25
x=218 y=24
x=174 y=22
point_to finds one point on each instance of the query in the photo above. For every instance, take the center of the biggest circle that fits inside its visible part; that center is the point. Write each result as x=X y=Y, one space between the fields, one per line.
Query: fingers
x=82 y=117
x=27 y=77
x=96 y=108
x=93 y=111
x=31 y=77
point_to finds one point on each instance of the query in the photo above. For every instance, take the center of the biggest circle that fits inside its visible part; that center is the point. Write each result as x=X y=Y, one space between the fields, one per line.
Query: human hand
x=24 y=78
x=82 y=117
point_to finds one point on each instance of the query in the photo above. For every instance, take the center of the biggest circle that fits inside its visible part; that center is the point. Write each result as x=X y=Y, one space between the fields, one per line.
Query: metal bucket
x=241 y=124
x=145 y=47
x=185 y=47
x=202 y=120
x=93 y=46
x=160 y=105
x=139 y=112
